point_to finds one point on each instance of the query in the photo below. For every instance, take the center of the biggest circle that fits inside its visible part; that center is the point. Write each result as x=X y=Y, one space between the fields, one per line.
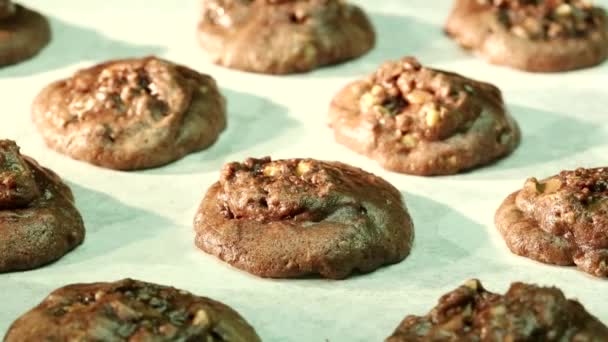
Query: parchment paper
x=139 y=223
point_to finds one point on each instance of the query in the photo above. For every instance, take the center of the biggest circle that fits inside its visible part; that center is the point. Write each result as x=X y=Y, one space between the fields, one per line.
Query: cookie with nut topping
x=129 y=310
x=297 y=217
x=560 y=220
x=422 y=121
x=131 y=114
x=526 y=313
x=532 y=35
x=283 y=36
x=39 y=222
x=23 y=32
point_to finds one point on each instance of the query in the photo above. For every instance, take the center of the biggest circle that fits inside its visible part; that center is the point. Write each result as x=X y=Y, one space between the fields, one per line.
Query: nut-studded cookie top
x=17 y=182
x=131 y=114
x=572 y=205
x=293 y=189
x=130 y=310
x=7 y=9
x=548 y=19
x=525 y=313
x=127 y=92
x=415 y=103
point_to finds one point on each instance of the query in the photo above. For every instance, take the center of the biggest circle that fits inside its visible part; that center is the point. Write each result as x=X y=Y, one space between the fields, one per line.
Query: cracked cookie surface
x=560 y=220
x=532 y=35
x=418 y=120
x=282 y=37
x=131 y=114
x=131 y=311
x=297 y=217
x=524 y=313
x=39 y=222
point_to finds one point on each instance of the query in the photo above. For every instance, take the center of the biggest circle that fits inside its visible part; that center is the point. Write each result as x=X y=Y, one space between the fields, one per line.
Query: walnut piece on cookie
x=418 y=120
x=297 y=217
x=561 y=220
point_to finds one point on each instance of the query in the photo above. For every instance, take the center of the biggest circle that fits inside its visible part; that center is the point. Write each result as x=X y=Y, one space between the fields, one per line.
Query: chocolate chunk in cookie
x=417 y=120
x=525 y=313
x=131 y=114
x=538 y=36
x=38 y=220
x=560 y=220
x=129 y=310
x=296 y=217
x=23 y=33
x=283 y=36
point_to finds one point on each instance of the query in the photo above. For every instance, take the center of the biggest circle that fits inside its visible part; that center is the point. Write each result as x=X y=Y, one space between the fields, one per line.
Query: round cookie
x=526 y=313
x=422 y=121
x=23 y=33
x=297 y=217
x=129 y=310
x=283 y=36
x=38 y=220
x=561 y=220
x=131 y=114
x=537 y=36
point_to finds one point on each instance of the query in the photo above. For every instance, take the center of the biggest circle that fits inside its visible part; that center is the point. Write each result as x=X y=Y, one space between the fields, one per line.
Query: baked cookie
x=417 y=120
x=130 y=114
x=297 y=217
x=38 y=220
x=525 y=313
x=283 y=36
x=532 y=35
x=129 y=310
x=561 y=220
x=23 y=33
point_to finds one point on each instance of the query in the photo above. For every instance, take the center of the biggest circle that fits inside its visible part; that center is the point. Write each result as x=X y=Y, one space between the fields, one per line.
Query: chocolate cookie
x=129 y=310
x=417 y=120
x=290 y=218
x=131 y=114
x=533 y=35
x=560 y=220
x=283 y=36
x=38 y=220
x=525 y=313
x=23 y=33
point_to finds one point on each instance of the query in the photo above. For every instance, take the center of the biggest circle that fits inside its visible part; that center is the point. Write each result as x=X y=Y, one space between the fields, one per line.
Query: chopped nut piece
x=418 y=96
x=271 y=170
x=409 y=140
x=303 y=168
x=377 y=90
x=473 y=284
x=563 y=10
x=520 y=32
x=201 y=318
x=551 y=186
x=432 y=115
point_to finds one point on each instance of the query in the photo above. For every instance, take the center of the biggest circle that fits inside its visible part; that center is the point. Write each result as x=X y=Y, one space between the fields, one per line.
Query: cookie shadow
x=110 y=225
x=254 y=125
x=398 y=36
x=547 y=137
x=71 y=44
